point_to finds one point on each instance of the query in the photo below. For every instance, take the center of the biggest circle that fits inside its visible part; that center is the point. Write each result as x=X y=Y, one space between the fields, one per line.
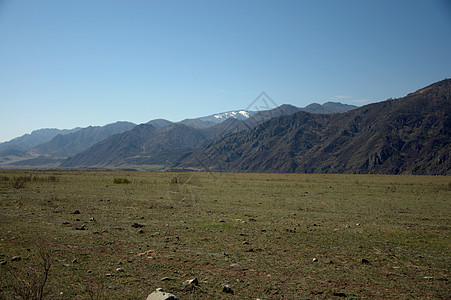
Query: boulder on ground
x=160 y=295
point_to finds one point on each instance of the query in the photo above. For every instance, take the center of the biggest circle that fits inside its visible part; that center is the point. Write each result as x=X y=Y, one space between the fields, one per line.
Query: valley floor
x=121 y=235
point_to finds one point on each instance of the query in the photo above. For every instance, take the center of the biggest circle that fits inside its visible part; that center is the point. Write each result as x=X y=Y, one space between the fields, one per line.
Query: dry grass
x=258 y=233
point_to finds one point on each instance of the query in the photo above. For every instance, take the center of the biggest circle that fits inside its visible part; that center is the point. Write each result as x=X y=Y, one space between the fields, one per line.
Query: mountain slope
x=144 y=144
x=328 y=108
x=410 y=135
x=70 y=144
x=148 y=145
x=28 y=141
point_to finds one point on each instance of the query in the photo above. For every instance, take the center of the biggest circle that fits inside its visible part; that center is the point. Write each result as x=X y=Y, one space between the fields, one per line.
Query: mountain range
x=409 y=135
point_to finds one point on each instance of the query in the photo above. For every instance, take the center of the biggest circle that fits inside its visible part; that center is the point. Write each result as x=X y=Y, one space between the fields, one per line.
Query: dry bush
x=29 y=282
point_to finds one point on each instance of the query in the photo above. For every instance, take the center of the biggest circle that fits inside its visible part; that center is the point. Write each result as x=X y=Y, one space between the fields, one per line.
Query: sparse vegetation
x=270 y=236
x=121 y=180
x=27 y=281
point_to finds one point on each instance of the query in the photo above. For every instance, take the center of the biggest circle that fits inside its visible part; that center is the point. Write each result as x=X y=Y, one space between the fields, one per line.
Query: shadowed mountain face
x=410 y=135
x=148 y=145
x=73 y=143
x=37 y=137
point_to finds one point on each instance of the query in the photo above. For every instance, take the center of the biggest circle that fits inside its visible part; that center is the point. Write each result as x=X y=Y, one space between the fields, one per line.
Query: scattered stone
x=348 y=226
x=365 y=261
x=314 y=260
x=137 y=225
x=82 y=227
x=160 y=295
x=108 y=275
x=66 y=223
x=75 y=261
x=235 y=265
x=191 y=283
x=166 y=279
x=340 y=294
x=91 y=219
x=3 y=262
x=140 y=231
x=147 y=253
x=358 y=224
x=221 y=221
x=120 y=270
x=227 y=289
x=16 y=258
x=428 y=277
x=66 y=265
x=89 y=271
x=76 y=212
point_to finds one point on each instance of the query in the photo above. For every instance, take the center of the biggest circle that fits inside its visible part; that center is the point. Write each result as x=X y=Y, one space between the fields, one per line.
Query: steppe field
x=121 y=235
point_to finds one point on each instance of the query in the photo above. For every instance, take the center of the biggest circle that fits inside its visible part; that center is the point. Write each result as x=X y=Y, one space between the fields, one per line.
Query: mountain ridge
x=409 y=135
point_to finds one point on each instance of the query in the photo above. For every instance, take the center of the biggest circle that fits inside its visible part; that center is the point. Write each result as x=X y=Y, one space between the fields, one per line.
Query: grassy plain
x=372 y=237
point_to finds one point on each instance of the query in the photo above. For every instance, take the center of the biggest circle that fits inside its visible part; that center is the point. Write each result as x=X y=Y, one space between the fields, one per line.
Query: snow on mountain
x=237 y=114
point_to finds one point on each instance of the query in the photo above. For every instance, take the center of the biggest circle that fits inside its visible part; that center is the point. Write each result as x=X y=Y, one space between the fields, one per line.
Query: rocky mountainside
x=37 y=137
x=53 y=152
x=410 y=135
x=148 y=145
x=73 y=143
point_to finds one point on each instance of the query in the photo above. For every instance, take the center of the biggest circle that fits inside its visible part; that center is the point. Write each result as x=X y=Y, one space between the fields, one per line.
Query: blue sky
x=71 y=63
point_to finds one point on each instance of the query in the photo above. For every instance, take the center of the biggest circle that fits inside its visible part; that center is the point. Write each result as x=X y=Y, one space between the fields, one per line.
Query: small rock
x=221 y=221
x=16 y=258
x=160 y=295
x=365 y=261
x=91 y=219
x=82 y=227
x=227 y=289
x=358 y=224
x=3 y=262
x=76 y=212
x=314 y=260
x=140 y=231
x=120 y=270
x=89 y=271
x=191 y=283
x=235 y=265
x=136 y=225
x=245 y=243
x=166 y=279
x=75 y=261
x=108 y=275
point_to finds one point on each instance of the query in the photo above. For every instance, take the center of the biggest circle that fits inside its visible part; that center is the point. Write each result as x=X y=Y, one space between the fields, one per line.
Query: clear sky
x=76 y=63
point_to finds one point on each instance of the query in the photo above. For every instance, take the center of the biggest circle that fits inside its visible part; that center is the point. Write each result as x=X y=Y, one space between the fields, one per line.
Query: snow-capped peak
x=240 y=115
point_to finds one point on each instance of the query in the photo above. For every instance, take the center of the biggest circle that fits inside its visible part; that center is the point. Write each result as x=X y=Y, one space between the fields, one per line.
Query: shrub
x=29 y=283
x=121 y=180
